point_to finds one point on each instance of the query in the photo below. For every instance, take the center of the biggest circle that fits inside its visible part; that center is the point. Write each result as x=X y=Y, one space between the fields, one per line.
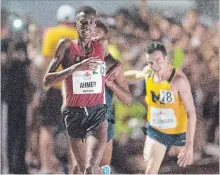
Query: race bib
x=88 y=82
x=163 y=118
x=166 y=96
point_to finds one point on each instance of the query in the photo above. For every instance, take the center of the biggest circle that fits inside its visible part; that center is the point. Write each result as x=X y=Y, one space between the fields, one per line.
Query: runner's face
x=157 y=61
x=85 y=25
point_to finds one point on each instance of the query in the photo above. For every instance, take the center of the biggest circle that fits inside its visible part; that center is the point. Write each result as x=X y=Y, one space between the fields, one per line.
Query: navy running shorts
x=168 y=140
x=110 y=113
x=111 y=130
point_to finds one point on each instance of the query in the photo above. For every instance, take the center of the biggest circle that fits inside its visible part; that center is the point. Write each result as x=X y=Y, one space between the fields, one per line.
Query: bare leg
x=74 y=169
x=78 y=158
x=72 y=163
x=154 y=153
x=46 y=148
x=95 y=148
x=107 y=156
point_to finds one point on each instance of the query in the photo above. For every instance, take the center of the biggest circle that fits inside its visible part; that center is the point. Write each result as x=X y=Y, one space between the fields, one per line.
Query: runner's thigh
x=95 y=144
x=154 y=152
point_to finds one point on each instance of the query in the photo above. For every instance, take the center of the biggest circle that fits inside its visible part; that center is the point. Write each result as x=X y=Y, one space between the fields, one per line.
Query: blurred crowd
x=192 y=43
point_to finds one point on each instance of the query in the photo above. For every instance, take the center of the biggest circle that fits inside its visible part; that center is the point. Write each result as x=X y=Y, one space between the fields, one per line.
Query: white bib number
x=166 y=96
x=163 y=118
x=88 y=82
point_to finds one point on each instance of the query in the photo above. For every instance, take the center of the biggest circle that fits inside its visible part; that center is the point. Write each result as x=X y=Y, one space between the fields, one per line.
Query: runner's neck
x=85 y=46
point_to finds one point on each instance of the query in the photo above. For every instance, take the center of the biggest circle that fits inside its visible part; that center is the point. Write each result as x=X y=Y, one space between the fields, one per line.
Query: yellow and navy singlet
x=165 y=109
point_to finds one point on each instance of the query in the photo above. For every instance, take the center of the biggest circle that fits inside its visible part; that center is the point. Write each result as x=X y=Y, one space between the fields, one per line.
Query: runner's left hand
x=185 y=157
x=113 y=73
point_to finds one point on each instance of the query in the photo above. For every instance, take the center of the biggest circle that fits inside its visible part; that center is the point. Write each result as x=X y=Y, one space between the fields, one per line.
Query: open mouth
x=85 y=32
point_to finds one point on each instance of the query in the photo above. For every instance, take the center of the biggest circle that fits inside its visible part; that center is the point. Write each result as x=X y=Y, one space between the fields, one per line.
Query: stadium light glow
x=17 y=24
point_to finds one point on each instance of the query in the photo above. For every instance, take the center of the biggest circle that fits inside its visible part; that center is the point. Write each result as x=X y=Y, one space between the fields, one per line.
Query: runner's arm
x=134 y=75
x=62 y=51
x=143 y=95
x=120 y=87
x=184 y=89
x=137 y=74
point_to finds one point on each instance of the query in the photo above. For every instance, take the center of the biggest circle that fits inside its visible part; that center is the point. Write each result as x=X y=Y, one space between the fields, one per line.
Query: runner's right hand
x=89 y=64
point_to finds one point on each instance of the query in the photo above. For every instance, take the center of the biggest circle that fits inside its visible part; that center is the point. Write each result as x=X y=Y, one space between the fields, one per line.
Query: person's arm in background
x=137 y=74
x=47 y=50
x=118 y=84
x=115 y=79
x=186 y=155
x=143 y=95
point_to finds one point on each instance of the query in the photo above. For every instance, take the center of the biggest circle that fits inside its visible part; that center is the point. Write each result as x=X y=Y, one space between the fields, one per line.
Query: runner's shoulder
x=179 y=78
x=64 y=43
x=111 y=60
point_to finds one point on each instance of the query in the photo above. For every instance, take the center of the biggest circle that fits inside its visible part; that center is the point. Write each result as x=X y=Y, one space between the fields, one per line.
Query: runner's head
x=157 y=56
x=101 y=29
x=86 y=21
x=66 y=14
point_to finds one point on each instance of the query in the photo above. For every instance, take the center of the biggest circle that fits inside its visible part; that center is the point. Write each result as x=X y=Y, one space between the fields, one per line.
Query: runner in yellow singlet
x=171 y=116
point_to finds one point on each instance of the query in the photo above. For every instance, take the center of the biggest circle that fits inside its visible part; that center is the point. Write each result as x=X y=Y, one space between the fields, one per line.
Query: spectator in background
x=211 y=102
x=52 y=102
x=164 y=28
x=155 y=33
x=4 y=67
x=177 y=45
x=34 y=37
x=190 y=20
x=18 y=85
x=4 y=105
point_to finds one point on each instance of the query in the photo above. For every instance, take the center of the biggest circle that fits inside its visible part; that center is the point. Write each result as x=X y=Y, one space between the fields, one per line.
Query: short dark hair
x=156 y=46
x=102 y=25
x=88 y=10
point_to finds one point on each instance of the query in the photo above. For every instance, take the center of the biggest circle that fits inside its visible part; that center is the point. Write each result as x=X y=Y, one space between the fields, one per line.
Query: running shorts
x=168 y=140
x=80 y=120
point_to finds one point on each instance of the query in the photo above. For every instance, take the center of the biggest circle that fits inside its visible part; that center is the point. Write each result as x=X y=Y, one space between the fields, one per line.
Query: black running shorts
x=80 y=120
